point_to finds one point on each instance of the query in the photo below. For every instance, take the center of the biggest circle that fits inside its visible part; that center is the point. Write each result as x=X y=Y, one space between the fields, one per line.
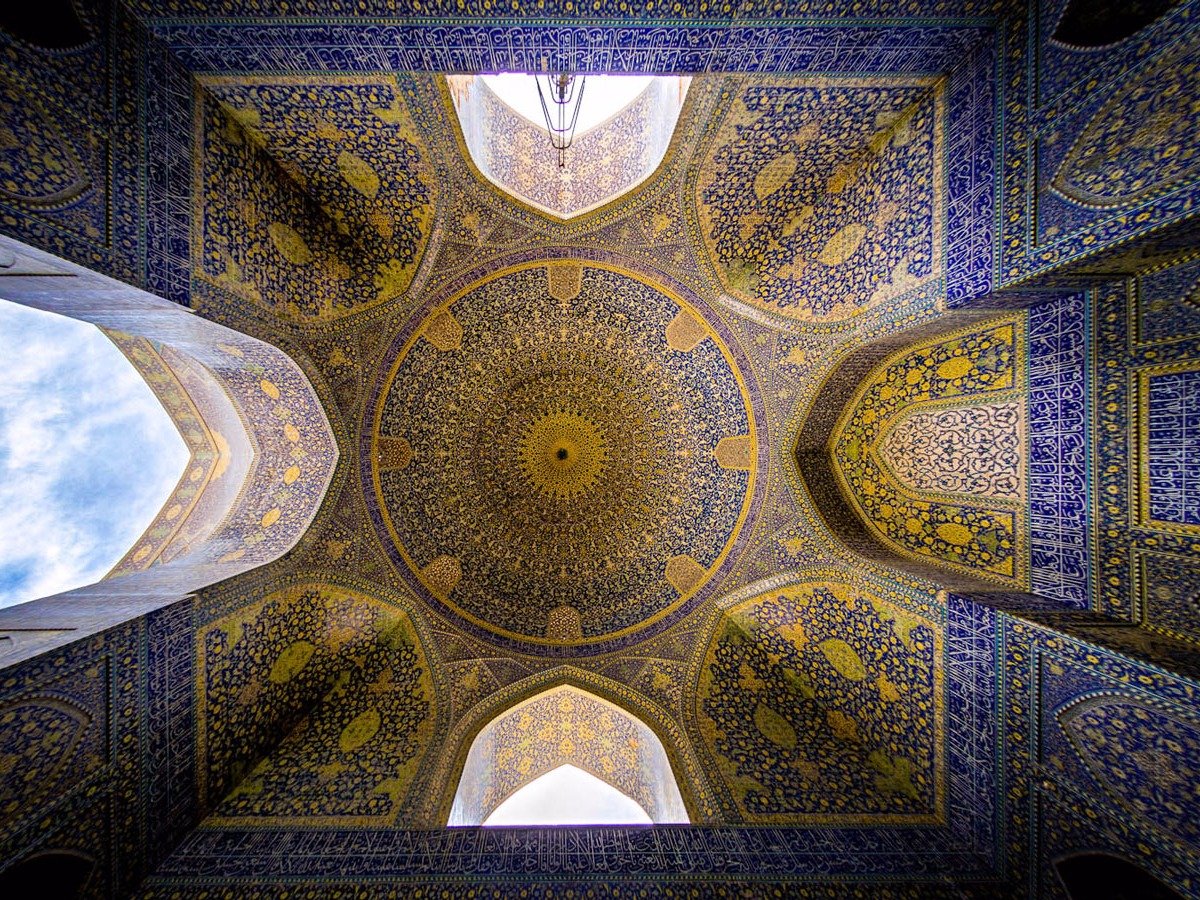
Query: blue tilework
x=1169 y=303
x=973 y=736
x=964 y=847
x=272 y=46
x=1169 y=591
x=1063 y=71
x=1058 y=458
x=1080 y=173
x=167 y=149
x=1123 y=367
x=169 y=767
x=1072 y=709
x=71 y=183
x=447 y=11
x=138 y=796
x=970 y=177
x=1174 y=447
x=87 y=752
x=754 y=413
x=637 y=855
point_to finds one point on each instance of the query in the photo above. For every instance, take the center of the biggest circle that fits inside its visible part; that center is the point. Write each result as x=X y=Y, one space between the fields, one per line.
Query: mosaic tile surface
x=262 y=666
x=822 y=704
x=1059 y=449
x=981 y=529
x=275 y=174
x=566 y=726
x=520 y=433
x=1144 y=570
x=817 y=198
x=604 y=162
x=327 y=199
x=1173 y=446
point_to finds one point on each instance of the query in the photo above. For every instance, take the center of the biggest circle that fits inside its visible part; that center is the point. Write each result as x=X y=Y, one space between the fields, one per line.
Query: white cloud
x=603 y=96
x=568 y=796
x=87 y=454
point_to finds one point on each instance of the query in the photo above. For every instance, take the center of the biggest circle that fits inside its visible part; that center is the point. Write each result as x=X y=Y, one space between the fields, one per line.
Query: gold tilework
x=807 y=697
x=565 y=452
x=963 y=505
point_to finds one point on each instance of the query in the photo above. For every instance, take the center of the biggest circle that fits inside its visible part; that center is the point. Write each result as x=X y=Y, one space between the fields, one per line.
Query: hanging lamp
x=565 y=93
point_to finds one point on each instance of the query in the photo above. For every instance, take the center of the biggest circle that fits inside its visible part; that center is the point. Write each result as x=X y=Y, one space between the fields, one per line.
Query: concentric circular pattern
x=563 y=455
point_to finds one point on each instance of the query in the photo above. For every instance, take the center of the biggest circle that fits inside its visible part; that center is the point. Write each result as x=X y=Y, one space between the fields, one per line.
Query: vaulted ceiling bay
x=824 y=480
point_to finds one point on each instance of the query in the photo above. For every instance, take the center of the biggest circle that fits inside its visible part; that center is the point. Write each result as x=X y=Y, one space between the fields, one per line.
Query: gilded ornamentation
x=40 y=739
x=1140 y=141
x=564 y=453
x=209 y=454
x=1144 y=756
x=685 y=332
x=563 y=624
x=864 y=739
x=684 y=573
x=974 y=450
x=351 y=757
x=444 y=332
x=565 y=280
x=38 y=166
x=566 y=726
x=810 y=241
x=442 y=576
x=821 y=704
x=975 y=526
x=394 y=453
x=320 y=198
x=735 y=452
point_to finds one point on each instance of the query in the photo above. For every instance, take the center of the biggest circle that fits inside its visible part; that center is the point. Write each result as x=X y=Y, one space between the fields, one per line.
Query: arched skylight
x=622 y=135
x=568 y=796
x=87 y=454
x=566 y=732
x=603 y=96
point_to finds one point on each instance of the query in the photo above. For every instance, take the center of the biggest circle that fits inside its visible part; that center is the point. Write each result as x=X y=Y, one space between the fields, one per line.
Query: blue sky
x=87 y=454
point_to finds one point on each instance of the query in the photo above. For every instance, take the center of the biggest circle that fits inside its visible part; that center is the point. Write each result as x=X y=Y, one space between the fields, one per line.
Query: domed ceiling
x=754 y=451
x=572 y=434
x=563 y=453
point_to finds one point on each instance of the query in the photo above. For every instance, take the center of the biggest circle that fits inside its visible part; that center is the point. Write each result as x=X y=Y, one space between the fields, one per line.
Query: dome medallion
x=562 y=455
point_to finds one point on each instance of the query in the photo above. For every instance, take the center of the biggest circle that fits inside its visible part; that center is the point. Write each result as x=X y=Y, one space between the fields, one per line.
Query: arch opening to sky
x=88 y=456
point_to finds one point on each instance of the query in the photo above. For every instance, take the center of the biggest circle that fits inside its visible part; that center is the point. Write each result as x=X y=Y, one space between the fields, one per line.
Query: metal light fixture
x=562 y=112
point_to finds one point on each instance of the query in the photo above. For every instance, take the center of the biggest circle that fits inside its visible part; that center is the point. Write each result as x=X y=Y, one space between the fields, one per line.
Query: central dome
x=562 y=454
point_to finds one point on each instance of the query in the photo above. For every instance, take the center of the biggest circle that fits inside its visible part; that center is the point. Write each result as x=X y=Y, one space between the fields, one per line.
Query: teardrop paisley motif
x=1142 y=756
x=39 y=738
x=1140 y=141
x=37 y=165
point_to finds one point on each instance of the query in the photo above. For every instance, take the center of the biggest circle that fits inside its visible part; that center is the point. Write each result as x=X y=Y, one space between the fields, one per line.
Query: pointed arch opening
x=622 y=137
x=530 y=748
x=260 y=450
x=568 y=796
x=88 y=453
